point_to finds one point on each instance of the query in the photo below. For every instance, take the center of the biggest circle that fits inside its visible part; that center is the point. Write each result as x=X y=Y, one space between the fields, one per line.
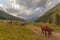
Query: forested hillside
x=6 y=16
x=52 y=16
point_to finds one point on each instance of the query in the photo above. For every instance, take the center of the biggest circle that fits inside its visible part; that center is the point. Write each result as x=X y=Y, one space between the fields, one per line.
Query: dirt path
x=37 y=34
x=56 y=35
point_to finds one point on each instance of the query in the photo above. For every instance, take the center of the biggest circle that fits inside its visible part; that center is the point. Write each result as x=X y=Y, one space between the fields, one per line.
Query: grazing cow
x=46 y=30
x=7 y=21
x=13 y=22
x=49 y=30
x=23 y=24
x=44 y=27
x=10 y=22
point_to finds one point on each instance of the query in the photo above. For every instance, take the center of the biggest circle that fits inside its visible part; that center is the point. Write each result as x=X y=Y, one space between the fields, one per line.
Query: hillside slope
x=6 y=16
x=52 y=16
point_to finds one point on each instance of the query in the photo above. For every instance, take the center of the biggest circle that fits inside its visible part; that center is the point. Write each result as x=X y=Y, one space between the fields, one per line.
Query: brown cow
x=44 y=27
x=46 y=30
x=49 y=30
x=10 y=21
x=23 y=24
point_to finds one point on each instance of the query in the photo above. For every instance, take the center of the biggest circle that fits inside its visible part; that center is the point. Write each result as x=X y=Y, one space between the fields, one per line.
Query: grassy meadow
x=14 y=31
x=17 y=32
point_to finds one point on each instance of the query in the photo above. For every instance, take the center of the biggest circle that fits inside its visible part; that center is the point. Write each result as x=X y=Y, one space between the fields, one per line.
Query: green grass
x=18 y=32
x=55 y=27
x=14 y=32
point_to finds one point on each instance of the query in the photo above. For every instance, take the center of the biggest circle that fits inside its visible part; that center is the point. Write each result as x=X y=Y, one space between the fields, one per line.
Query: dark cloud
x=42 y=3
x=38 y=8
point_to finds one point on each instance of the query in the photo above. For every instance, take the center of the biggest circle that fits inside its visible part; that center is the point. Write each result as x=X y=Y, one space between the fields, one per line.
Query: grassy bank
x=14 y=32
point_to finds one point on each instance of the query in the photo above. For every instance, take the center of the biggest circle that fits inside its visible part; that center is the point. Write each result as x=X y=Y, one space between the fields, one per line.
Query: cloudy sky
x=29 y=10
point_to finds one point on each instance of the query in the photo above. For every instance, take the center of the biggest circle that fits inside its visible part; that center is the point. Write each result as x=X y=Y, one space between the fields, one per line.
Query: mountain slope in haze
x=52 y=16
x=6 y=16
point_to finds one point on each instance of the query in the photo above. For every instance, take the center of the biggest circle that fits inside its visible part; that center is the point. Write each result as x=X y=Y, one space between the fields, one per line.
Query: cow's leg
x=49 y=34
x=45 y=33
x=42 y=30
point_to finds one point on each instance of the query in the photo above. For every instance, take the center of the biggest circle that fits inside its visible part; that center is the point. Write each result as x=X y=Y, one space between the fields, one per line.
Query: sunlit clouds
x=1 y=5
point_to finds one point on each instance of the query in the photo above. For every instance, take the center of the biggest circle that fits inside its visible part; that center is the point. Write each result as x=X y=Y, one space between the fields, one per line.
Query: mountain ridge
x=5 y=16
